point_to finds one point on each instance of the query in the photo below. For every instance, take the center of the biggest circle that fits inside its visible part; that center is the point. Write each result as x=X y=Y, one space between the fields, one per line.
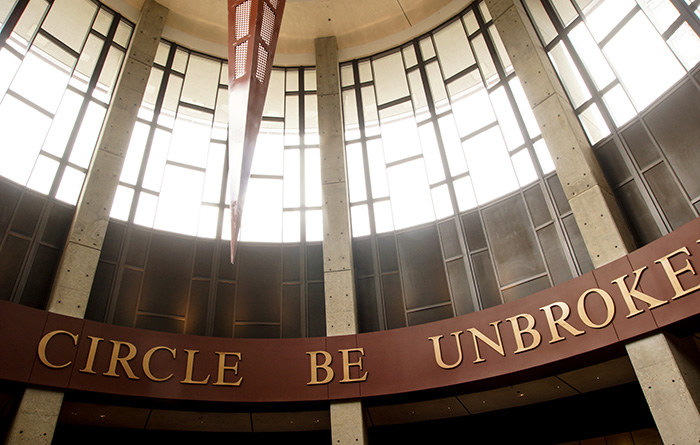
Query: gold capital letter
x=147 y=363
x=90 y=362
x=222 y=368
x=561 y=321
x=347 y=365
x=628 y=294
x=673 y=274
x=529 y=329
x=190 y=369
x=45 y=341
x=609 y=306
x=477 y=334
x=438 y=351
x=313 y=355
x=124 y=361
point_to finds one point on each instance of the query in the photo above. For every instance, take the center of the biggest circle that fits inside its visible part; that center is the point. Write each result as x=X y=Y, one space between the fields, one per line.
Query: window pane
x=389 y=78
x=410 y=194
x=569 y=75
x=489 y=165
x=643 y=62
x=453 y=49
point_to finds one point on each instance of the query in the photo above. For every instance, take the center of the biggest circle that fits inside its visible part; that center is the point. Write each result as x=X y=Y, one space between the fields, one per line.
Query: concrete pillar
x=38 y=412
x=669 y=374
x=668 y=377
x=598 y=217
x=347 y=420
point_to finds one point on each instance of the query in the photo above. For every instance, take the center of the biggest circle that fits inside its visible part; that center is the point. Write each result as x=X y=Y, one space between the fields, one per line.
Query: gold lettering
x=90 y=362
x=222 y=368
x=147 y=363
x=313 y=355
x=673 y=274
x=561 y=321
x=190 y=369
x=628 y=294
x=438 y=351
x=529 y=329
x=124 y=361
x=609 y=306
x=45 y=341
x=347 y=365
x=498 y=347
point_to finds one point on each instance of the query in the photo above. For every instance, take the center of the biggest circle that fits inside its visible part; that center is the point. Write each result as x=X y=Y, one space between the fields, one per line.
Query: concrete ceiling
x=361 y=26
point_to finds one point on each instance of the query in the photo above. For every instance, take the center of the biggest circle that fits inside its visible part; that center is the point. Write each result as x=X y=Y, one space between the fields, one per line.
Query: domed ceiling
x=362 y=27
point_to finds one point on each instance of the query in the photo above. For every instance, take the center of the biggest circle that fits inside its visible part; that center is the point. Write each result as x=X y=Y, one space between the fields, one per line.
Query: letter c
x=45 y=341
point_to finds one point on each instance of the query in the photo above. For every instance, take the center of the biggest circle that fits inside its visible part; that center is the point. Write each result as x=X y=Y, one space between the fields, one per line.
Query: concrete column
x=669 y=374
x=668 y=377
x=38 y=412
x=598 y=217
x=347 y=420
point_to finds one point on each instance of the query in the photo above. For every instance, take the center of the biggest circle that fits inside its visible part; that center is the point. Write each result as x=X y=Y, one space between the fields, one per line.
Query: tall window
x=438 y=126
x=56 y=82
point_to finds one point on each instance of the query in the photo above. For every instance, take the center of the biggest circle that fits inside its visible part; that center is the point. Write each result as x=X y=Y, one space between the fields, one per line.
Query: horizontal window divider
x=394 y=102
x=523 y=281
x=543 y=225
x=196 y=107
x=479 y=131
x=187 y=166
x=673 y=27
x=29 y=103
x=464 y=72
x=279 y=177
x=483 y=249
x=452 y=259
x=405 y=160
x=272 y=119
x=168 y=316
x=636 y=8
x=431 y=306
x=44 y=33
x=257 y=323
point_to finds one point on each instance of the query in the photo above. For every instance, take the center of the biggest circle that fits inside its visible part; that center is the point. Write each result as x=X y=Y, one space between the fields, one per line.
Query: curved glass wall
x=455 y=203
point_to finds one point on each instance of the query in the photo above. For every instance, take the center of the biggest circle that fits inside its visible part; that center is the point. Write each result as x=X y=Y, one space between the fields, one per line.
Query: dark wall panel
x=672 y=200
x=641 y=220
x=513 y=242
x=223 y=315
x=11 y=259
x=203 y=259
x=27 y=214
x=196 y=322
x=9 y=197
x=36 y=291
x=450 y=239
x=127 y=300
x=422 y=269
x=167 y=275
x=459 y=284
x=101 y=291
x=291 y=311
x=368 y=319
x=674 y=124
x=56 y=231
x=393 y=301
x=537 y=206
x=640 y=144
x=486 y=280
x=259 y=296
x=317 y=310
x=138 y=247
x=362 y=258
